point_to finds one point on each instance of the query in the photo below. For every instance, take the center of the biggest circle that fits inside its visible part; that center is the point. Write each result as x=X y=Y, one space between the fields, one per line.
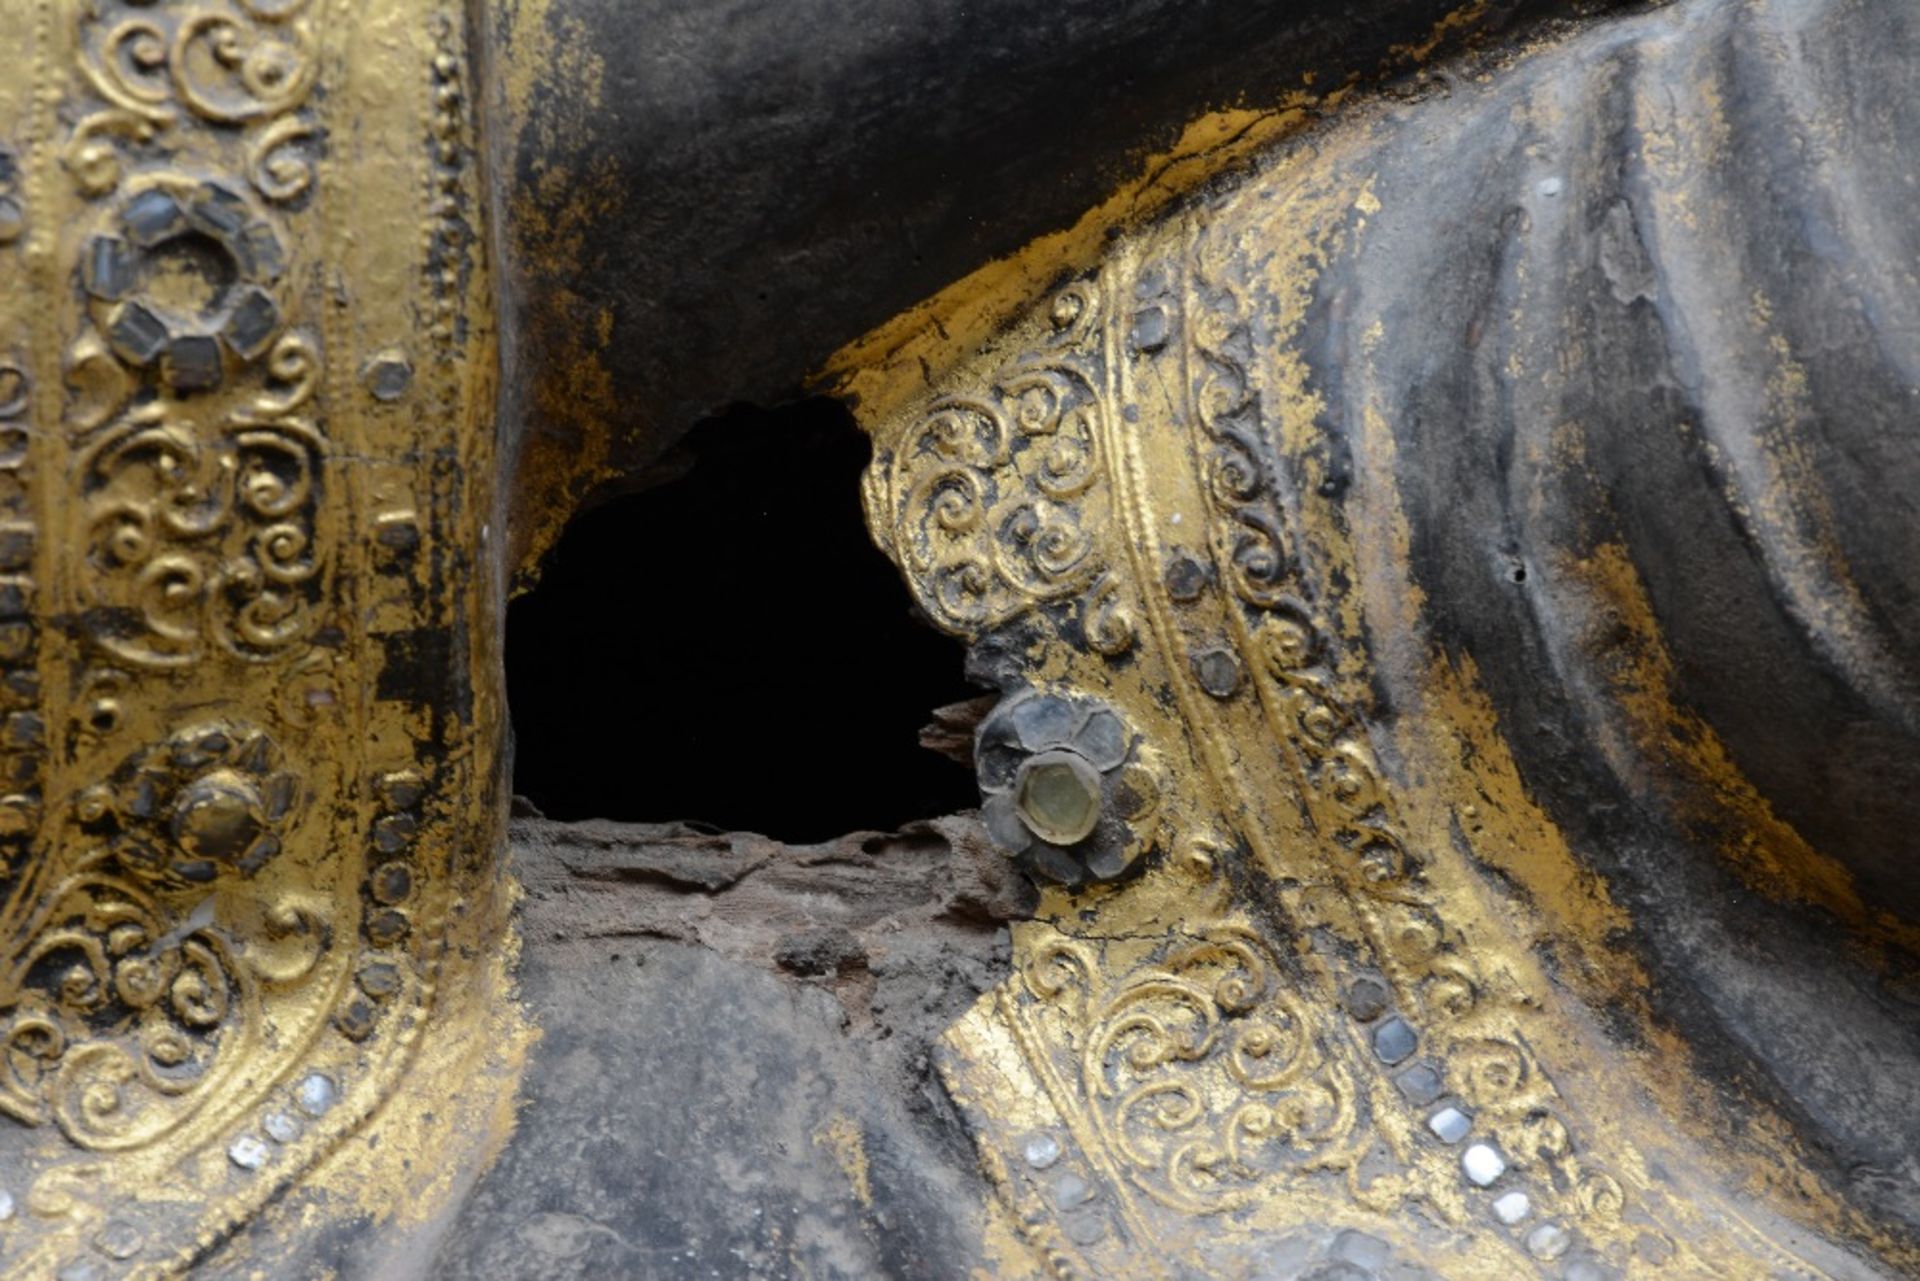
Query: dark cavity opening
x=730 y=648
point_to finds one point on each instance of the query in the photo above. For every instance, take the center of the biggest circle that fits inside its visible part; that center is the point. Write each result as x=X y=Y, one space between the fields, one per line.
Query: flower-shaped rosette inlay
x=211 y=802
x=184 y=279
x=1063 y=788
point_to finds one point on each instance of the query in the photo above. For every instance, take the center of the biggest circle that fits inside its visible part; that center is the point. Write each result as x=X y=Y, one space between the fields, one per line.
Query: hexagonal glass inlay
x=315 y=1094
x=248 y=1152
x=1483 y=1164
x=1512 y=1208
x=1395 y=1041
x=1042 y=1150
x=1059 y=797
x=1548 y=1241
x=1449 y=1125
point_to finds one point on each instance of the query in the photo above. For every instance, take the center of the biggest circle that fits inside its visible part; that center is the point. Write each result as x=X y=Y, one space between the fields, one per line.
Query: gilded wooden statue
x=1431 y=491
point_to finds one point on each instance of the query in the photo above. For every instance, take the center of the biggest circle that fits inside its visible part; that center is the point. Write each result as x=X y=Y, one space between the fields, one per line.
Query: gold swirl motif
x=217 y=533
x=1059 y=968
x=252 y=67
x=1107 y=620
x=293 y=368
x=127 y=66
x=1208 y=1077
x=224 y=67
x=984 y=498
x=265 y=74
x=91 y=155
x=119 y=1046
x=1251 y=543
x=118 y=1014
x=278 y=163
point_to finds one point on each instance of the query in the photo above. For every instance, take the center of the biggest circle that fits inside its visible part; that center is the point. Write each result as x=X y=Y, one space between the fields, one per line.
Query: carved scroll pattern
x=255 y=659
x=200 y=503
x=128 y=993
x=199 y=480
x=115 y=1014
x=1439 y=982
x=989 y=504
x=1249 y=536
x=1206 y=1075
x=125 y=992
x=242 y=63
x=205 y=537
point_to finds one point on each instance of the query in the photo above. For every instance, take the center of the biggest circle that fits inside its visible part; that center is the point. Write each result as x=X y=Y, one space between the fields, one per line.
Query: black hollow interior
x=729 y=648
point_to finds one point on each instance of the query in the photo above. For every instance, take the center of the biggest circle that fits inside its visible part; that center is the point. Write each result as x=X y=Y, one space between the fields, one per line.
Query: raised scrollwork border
x=1351 y=1056
x=242 y=798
